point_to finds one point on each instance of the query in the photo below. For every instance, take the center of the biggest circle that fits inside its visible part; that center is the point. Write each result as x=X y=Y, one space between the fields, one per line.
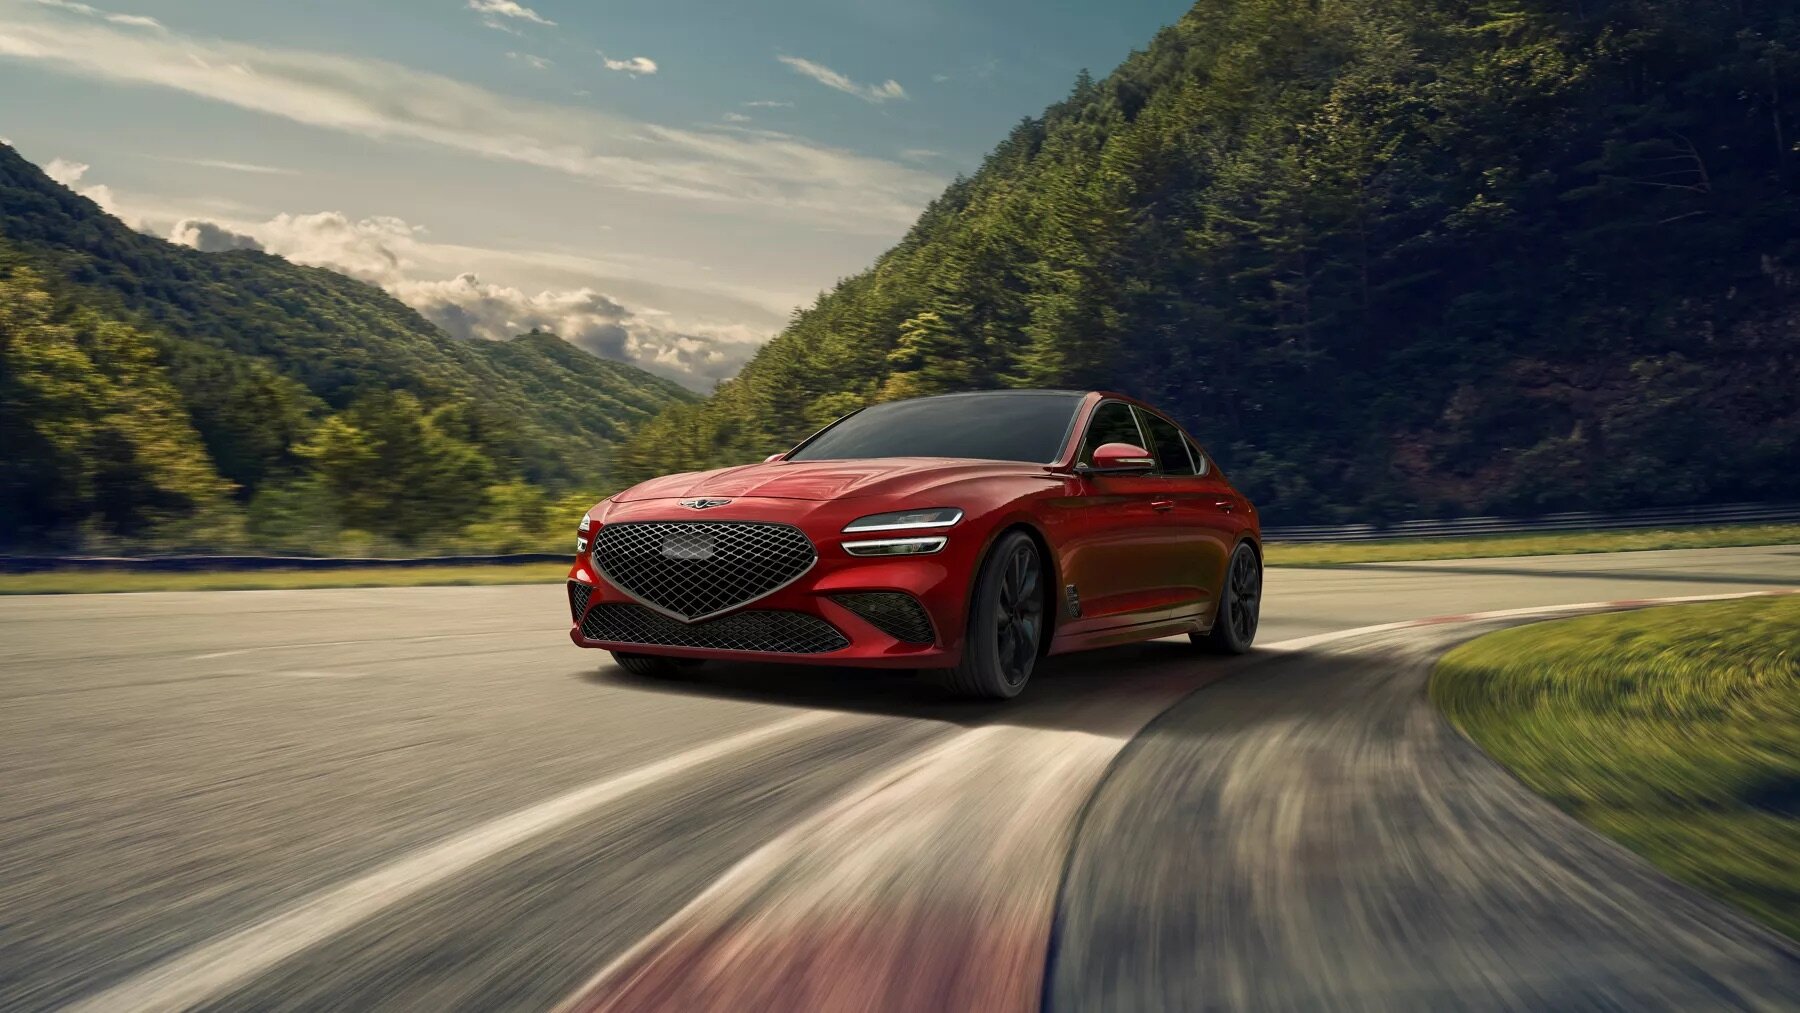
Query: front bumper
x=939 y=583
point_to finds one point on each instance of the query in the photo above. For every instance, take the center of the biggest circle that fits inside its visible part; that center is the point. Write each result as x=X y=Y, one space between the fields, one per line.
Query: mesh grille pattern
x=773 y=632
x=894 y=613
x=696 y=569
x=578 y=599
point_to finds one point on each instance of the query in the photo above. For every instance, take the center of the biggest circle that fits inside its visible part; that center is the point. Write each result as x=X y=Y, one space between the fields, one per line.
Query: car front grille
x=765 y=631
x=578 y=599
x=894 y=613
x=696 y=569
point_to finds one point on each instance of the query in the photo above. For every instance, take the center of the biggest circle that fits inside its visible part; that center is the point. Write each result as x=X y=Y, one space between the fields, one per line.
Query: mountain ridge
x=1385 y=257
x=259 y=354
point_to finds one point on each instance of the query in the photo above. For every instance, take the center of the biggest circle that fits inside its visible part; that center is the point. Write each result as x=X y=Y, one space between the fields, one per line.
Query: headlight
x=581 y=534
x=936 y=517
x=896 y=546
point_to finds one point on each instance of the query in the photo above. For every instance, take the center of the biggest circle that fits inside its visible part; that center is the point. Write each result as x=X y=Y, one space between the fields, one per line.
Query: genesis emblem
x=703 y=504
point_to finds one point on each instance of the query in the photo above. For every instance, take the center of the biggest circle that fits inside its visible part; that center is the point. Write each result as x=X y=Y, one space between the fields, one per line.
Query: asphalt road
x=427 y=799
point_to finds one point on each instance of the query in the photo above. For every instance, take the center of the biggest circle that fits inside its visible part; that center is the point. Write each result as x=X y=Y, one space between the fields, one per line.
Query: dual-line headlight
x=582 y=540
x=901 y=520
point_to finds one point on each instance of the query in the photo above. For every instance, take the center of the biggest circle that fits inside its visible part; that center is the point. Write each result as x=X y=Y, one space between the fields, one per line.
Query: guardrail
x=1732 y=513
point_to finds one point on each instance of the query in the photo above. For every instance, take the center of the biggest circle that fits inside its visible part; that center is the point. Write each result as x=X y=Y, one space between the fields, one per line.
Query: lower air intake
x=894 y=613
x=763 y=632
x=578 y=599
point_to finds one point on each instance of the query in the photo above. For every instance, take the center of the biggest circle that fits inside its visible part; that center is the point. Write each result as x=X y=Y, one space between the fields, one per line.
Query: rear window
x=1167 y=444
x=999 y=426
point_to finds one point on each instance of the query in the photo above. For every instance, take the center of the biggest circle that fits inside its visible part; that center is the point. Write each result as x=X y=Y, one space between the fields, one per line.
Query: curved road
x=426 y=799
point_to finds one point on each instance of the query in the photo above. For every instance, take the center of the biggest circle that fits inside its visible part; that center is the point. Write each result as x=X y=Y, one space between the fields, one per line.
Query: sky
x=659 y=181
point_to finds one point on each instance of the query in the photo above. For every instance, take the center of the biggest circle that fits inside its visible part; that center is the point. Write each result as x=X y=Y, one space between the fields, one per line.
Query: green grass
x=1544 y=544
x=1675 y=731
x=93 y=581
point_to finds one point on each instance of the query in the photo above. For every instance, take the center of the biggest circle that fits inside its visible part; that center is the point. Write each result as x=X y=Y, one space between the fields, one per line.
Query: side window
x=1167 y=444
x=1201 y=467
x=1112 y=423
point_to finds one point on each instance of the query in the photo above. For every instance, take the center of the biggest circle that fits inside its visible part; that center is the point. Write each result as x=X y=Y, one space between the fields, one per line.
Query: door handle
x=1162 y=505
x=1226 y=505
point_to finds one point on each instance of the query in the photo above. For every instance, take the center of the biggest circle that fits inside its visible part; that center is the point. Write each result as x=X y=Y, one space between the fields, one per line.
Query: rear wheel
x=1240 y=605
x=1006 y=622
x=649 y=665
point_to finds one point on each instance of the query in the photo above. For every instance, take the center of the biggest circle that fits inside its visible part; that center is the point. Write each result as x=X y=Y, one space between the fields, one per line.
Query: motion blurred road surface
x=426 y=798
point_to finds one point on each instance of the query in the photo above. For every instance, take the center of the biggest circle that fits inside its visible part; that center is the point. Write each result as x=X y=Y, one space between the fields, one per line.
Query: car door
x=1118 y=567
x=1193 y=507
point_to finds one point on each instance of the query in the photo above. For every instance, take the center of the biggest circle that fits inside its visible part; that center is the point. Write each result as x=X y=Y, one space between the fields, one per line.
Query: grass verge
x=1675 y=731
x=92 y=581
x=1529 y=544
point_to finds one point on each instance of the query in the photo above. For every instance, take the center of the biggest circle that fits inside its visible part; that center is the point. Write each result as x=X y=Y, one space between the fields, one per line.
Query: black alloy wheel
x=1006 y=622
x=1240 y=604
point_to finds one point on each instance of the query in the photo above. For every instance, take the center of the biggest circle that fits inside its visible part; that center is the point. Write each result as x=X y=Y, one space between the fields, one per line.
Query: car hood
x=825 y=480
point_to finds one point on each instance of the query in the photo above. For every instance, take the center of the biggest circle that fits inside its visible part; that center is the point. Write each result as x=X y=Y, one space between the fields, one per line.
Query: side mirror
x=1120 y=459
x=772 y=458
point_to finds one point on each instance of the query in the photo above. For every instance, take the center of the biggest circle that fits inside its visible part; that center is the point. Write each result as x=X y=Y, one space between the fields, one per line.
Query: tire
x=649 y=665
x=1240 y=605
x=1006 y=622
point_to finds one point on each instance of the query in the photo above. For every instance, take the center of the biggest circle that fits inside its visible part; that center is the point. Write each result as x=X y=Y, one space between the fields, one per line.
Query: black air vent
x=895 y=613
x=764 y=632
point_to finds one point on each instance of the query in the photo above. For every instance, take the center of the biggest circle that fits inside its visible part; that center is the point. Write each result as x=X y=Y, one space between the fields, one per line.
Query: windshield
x=1013 y=426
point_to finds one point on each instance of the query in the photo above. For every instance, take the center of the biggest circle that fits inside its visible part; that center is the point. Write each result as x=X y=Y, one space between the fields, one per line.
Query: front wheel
x=1240 y=605
x=1006 y=622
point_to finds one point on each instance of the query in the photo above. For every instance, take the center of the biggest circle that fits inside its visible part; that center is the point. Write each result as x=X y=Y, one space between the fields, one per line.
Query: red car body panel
x=1146 y=553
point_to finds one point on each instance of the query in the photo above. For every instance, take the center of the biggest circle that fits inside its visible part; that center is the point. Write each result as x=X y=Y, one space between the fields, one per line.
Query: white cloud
x=216 y=163
x=380 y=100
x=136 y=20
x=397 y=256
x=768 y=104
x=492 y=10
x=66 y=171
x=920 y=154
x=534 y=62
x=69 y=173
x=736 y=118
x=473 y=309
x=67 y=5
x=634 y=66
x=883 y=92
x=88 y=10
x=210 y=237
x=373 y=249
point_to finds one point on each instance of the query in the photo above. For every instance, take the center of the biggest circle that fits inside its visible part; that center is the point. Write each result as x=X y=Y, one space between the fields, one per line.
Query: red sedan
x=970 y=534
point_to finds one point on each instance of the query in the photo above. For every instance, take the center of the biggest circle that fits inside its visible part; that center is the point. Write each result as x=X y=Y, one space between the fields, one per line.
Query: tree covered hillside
x=1382 y=256
x=154 y=395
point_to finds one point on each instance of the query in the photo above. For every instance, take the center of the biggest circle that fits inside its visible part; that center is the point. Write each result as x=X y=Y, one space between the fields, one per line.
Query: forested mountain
x=151 y=394
x=1384 y=257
